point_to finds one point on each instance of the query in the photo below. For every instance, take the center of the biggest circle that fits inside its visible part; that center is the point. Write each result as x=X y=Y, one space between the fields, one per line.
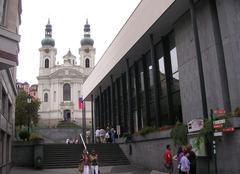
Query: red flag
x=80 y=103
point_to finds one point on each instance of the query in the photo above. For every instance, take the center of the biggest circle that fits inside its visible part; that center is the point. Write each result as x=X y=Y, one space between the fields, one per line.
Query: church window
x=45 y=97
x=87 y=63
x=46 y=63
x=66 y=92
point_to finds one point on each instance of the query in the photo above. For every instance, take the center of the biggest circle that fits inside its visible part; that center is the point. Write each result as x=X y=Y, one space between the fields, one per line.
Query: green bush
x=179 y=134
x=67 y=125
x=35 y=137
x=147 y=130
x=24 y=135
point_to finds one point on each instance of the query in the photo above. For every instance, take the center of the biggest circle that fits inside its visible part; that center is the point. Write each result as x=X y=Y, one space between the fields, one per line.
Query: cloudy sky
x=68 y=17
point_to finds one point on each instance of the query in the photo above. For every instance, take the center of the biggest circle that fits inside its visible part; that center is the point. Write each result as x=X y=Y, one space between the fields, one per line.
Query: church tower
x=60 y=85
x=47 y=51
x=87 y=51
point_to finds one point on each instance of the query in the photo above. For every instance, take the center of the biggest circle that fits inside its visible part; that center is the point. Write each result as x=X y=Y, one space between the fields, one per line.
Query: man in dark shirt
x=192 y=159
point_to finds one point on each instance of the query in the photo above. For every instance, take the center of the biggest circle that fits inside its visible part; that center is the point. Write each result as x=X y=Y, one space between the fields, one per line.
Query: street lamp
x=29 y=100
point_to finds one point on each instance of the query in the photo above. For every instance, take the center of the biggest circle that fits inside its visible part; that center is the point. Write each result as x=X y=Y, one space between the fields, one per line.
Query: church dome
x=87 y=40
x=48 y=40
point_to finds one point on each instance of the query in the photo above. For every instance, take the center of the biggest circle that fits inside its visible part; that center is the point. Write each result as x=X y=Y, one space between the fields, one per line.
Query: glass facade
x=142 y=90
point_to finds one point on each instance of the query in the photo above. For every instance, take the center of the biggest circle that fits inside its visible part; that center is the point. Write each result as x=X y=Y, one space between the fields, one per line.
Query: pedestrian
x=102 y=133
x=192 y=159
x=97 y=134
x=94 y=162
x=185 y=164
x=112 y=133
x=168 y=159
x=86 y=161
x=178 y=156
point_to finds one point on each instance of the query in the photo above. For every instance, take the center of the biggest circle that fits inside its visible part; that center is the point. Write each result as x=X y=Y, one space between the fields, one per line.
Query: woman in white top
x=184 y=164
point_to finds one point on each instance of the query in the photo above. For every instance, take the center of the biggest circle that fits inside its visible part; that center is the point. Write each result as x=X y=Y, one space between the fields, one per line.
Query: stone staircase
x=69 y=155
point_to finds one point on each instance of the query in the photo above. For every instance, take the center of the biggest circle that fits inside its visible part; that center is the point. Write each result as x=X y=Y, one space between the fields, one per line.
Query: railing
x=85 y=147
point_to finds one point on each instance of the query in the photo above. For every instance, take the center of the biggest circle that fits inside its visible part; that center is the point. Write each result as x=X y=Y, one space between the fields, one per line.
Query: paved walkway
x=124 y=169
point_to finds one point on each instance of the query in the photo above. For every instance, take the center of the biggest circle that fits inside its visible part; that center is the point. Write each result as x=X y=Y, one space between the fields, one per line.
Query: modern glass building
x=172 y=61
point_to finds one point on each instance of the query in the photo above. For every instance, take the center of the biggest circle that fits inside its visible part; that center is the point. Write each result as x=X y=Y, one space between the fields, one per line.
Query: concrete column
x=137 y=95
x=113 y=104
x=199 y=58
x=129 y=97
x=93 y=119
x=1 y=109
x=146 y=90
x=168 y=70
x=155 y=82
x=100 y=107
x=220 y=56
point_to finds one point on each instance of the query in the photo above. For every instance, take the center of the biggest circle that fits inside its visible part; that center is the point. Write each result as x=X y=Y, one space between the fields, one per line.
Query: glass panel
x=174 y=61
x=150 y=70
x=177 y=106
x=133 y=84
x=176 y=75
x=164 y=110
x=161 y=68
x=135 y=118
x=163 y=91
x=142 y=81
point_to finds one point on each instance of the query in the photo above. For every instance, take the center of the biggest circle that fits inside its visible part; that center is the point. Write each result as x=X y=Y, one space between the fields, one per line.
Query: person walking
x=86 y=161
x=184 y=164
x=168 y=159
x=178 y=156
x=97 y=134
x=192 y=159
x=94 y=162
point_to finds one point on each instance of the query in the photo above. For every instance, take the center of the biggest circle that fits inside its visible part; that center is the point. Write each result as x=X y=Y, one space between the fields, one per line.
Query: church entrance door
x=67 y=115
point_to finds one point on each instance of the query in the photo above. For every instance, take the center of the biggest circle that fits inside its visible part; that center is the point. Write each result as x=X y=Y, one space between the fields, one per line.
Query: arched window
x=66 y=92
x=87 y=64
x=46 y=63
x=45 y=97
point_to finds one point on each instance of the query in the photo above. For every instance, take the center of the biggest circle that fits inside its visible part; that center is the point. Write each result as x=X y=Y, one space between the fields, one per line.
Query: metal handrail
x=85 y=147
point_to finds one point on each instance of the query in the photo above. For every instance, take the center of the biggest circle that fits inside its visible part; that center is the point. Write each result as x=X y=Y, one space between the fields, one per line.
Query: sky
x=67 y=17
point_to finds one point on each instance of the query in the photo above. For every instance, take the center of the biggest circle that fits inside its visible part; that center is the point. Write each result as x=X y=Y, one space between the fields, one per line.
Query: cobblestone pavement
x=125 y=169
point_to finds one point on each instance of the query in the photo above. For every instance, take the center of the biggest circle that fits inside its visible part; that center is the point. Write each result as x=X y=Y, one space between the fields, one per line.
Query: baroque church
x=60 y=85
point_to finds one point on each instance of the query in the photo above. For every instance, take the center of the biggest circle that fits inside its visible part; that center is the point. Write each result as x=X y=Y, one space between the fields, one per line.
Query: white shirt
x=97 y=133
x=185 y=164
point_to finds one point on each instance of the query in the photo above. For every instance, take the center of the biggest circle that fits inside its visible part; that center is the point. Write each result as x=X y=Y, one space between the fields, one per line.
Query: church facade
x=60 y=85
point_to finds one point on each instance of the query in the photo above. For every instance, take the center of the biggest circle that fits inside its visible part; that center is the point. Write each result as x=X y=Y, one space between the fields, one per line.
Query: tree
x=25 y=111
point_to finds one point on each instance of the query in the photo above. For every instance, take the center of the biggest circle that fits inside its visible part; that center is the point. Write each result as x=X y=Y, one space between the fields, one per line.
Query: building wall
x=229 y=20
x=9 y=49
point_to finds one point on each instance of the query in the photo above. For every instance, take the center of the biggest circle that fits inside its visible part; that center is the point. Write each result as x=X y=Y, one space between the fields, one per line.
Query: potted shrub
x=36 y=138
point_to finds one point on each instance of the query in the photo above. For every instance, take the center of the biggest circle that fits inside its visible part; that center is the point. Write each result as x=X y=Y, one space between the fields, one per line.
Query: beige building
x=10 y=19
x=60 y=85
